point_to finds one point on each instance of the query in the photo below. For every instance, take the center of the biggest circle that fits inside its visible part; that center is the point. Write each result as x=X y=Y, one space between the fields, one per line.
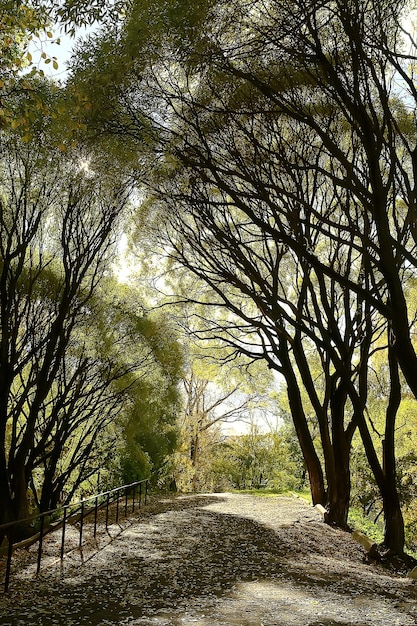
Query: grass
x=358 y=521
x=273 y=493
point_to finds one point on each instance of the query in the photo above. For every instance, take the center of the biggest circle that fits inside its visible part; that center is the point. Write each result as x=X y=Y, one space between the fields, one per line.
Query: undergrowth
x=270 y=493
x=358 y=521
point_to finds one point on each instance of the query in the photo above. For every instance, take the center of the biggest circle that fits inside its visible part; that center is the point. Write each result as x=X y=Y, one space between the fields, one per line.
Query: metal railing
x=74 y=513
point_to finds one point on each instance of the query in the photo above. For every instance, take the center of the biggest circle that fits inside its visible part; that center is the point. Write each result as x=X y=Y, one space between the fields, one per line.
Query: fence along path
x=115 y=502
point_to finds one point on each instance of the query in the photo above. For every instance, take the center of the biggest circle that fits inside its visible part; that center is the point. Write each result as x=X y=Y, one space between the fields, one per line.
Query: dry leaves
x=223 y=559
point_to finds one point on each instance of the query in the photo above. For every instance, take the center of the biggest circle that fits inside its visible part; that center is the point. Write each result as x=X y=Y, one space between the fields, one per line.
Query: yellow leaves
x=47 y=60
x=3 y=118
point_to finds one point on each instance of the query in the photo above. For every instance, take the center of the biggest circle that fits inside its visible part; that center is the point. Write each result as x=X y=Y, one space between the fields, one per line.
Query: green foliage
x=135 y=464
x=149 y=418
x=365 y=497
x=82 y=366
x=272 y=158
x=77 y=13
x=257 y=459
x=358 y=521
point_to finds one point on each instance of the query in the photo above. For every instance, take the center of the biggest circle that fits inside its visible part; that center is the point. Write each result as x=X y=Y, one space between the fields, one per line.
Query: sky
x=61 y=51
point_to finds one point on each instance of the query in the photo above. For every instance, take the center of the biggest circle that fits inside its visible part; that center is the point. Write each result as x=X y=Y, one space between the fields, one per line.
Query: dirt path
x=215 y=560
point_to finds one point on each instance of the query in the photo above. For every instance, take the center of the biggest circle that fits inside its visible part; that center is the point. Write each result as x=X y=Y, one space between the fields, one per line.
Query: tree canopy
x=280 y=143
x=270 y=149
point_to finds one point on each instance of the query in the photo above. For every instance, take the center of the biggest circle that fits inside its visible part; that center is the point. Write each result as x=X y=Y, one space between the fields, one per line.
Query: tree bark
x=393 y=519
x=311 y=459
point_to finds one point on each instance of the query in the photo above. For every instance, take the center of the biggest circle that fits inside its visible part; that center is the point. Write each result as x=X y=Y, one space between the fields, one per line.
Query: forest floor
x=215 y=560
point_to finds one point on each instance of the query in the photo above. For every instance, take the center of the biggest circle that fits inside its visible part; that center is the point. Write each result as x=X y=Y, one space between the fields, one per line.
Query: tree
x=295 y=145
x=215 y=396
x=57 y=228
x=112 y=408
x=255 y=459
x=149 y=418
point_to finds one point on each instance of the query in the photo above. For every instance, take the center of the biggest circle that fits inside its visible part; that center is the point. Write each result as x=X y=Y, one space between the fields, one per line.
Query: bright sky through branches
x=59 y=48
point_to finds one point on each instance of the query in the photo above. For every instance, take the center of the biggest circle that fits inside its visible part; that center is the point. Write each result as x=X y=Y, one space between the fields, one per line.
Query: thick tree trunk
x=20 y=489
x=315 y=475
x=338 y=491
x=20 y=503
x=6 y=508
x=336 y=448
x=393 y=523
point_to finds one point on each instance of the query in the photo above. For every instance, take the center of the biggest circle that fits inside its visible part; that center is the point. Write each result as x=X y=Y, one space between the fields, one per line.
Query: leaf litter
x=208 y=560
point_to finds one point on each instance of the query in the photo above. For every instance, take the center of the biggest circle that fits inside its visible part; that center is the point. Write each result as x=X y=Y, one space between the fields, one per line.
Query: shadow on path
x=194 y=560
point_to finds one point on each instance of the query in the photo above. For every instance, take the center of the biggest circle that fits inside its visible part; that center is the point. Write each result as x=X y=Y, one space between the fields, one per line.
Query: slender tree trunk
x=6 y=508
x=311 y=459
x=47 y=499
x=393 y=519
x=194 y=457
x=394 y=523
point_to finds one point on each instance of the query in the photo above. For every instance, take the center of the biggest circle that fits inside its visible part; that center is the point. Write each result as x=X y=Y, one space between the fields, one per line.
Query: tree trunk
x=47 y=499
x=311 y=459
x=338 y=496
x=393 y=519
x=6 y=509
x=20 y=489
x=194 y=457
x=338 y=462
x=20 y=503
x=393 y=522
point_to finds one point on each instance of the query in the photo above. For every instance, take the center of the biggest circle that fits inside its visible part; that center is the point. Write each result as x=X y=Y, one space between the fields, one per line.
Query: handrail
x=77 y=507
x=70 y=505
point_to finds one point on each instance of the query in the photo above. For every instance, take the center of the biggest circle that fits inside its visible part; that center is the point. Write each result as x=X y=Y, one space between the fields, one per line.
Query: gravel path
x=214 y=560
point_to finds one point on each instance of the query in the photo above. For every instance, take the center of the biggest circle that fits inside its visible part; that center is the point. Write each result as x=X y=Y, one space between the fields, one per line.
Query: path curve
x=213 y=560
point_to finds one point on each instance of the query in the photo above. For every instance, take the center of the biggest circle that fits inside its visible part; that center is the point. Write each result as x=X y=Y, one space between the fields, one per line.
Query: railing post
x=9 y=559
x=126 y=493
x=117 y=506
x=64 y=524
x=95 y=517
x=40 y=543
x=133 y=498
x=140 y=494
x=107 y=510
x=81 y=523
x=146 y=492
